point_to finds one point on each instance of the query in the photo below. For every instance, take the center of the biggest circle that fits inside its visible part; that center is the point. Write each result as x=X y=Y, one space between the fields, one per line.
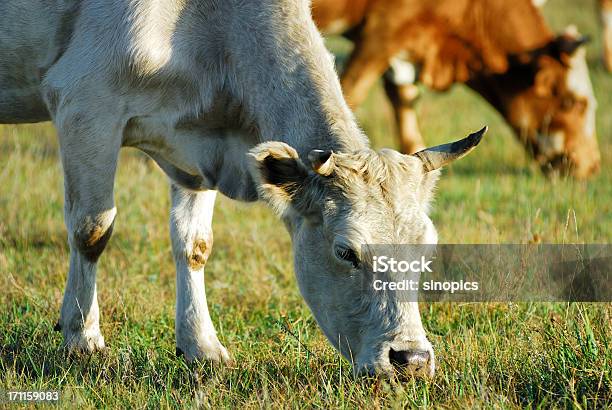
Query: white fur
x=579 y=82
x=401 y=70
x=606 y=17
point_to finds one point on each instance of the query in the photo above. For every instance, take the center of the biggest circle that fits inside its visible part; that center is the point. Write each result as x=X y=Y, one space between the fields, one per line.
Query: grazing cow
x=198 y=85
x=502 y=49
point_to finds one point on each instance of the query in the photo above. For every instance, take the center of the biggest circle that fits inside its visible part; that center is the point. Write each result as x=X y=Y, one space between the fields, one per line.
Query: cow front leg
x=192 y=239
x=89 y=152
x=403 y=94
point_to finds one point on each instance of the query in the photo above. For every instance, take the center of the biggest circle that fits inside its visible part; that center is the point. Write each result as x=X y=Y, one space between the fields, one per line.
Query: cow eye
x=346 y=254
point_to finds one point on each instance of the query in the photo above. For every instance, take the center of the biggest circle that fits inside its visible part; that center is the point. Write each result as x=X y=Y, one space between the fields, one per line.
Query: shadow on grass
x=35 y=240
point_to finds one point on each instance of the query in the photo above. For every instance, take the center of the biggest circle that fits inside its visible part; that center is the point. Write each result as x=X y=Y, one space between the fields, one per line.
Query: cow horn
x=440 y=155
x=321 y=161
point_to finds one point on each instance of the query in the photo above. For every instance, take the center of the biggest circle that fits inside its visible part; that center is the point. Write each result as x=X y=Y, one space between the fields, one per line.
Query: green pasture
x=489 y=355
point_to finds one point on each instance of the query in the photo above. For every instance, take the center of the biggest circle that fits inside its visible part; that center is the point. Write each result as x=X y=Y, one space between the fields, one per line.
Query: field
x=488 y=355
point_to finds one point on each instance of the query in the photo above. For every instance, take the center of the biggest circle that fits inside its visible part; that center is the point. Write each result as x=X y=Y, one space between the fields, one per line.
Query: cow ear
x=560 y=48
x=569 y=44
x=278 y=172
x=570 y=40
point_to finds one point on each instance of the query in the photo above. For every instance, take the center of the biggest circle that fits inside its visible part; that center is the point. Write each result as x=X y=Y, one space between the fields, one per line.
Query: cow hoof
x=215 y=352
x=84 y=342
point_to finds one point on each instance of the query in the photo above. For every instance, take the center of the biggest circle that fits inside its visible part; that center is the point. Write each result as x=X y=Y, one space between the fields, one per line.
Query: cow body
x=496 y=47
x=198 y=85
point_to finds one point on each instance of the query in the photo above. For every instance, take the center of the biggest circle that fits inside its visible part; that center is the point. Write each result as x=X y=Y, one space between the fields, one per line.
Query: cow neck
x=288 y=83
x=510 y=40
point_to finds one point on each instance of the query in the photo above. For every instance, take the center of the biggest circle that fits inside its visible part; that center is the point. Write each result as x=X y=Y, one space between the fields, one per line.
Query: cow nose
x=413 y=361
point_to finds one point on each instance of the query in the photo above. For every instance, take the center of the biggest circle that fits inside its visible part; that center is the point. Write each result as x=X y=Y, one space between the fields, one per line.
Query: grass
x=489 y=355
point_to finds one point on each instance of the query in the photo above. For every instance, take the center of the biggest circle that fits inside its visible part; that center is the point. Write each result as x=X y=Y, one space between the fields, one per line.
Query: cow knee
x=92 y=233
x=199 y=253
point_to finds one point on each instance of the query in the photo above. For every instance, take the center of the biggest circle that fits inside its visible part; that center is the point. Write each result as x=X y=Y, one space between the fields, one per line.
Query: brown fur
x=92 y=238
x=199 y=254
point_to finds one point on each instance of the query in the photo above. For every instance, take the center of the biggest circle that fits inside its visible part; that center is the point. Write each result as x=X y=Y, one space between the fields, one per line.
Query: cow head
x=547 y=97
x=332 y=205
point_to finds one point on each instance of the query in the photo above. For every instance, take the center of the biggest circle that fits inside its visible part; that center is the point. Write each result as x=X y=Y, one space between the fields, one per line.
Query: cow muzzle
x=578 y=158
x=413 y=362
x=401 y=361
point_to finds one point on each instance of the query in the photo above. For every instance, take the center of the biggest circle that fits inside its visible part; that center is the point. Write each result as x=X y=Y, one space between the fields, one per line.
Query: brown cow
x=503 y=50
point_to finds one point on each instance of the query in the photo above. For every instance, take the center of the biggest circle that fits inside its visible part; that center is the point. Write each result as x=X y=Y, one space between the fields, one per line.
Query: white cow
x=198 y=84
